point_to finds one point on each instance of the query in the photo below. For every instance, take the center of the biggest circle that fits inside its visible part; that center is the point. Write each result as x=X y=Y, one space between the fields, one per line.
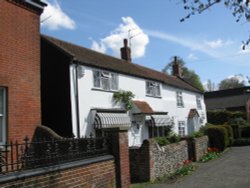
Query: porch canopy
x=157 y=119
x=111 y=118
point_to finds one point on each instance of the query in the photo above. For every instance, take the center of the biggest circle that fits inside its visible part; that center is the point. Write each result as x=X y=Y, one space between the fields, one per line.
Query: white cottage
x=78 y=86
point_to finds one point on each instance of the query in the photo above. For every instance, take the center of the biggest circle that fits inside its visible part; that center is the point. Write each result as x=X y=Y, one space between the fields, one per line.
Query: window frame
x=198 y=102
x=153 y=86
x=181 y=128
x=179 y=99
x=3 y=115
x=111 y=79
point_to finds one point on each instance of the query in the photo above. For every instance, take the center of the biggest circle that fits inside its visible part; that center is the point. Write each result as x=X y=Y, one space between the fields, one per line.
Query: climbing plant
x=124 y=97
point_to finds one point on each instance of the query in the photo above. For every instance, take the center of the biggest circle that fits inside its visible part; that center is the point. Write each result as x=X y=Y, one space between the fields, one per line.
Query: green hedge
x=230 y=133
x=218 y=137
x=219 y=117
x=242 y=142
x=245 y=132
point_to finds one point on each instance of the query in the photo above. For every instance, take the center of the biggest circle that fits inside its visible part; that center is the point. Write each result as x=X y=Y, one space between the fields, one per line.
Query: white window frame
x=198 y=102
x=3 y=115
x=181 y=128
x=153 y=89
x=179 y=99
x=105 y=76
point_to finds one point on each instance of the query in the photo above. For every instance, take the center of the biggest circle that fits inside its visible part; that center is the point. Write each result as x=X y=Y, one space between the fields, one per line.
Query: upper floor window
x=181 y=128
x=179 y=99
x=198 y=102
x=2 y=115
x=105 y=80
x=153 y=89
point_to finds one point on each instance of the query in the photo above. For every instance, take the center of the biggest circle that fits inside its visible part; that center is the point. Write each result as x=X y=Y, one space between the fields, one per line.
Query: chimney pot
x=126 y=51
x=177 y=70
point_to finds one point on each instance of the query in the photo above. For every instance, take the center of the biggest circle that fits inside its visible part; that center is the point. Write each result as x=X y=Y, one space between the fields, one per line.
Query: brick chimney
x=176 y=68
x=126 y=51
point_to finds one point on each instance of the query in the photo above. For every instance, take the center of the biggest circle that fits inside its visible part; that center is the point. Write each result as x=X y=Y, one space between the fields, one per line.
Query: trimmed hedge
x=242 y=142
x=230 y=133
x=245 y=132
x=219 y=117
x=218 y=137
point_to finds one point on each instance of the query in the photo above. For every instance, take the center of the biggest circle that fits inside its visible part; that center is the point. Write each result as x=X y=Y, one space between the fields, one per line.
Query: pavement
x=231 y=170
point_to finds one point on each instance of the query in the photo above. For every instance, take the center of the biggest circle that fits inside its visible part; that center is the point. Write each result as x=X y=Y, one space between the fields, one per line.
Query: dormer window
x=105 y=80
x=153 y=89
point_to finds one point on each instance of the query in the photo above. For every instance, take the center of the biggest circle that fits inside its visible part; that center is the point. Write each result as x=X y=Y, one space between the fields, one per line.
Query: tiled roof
x=95 y=59
x=143 y=107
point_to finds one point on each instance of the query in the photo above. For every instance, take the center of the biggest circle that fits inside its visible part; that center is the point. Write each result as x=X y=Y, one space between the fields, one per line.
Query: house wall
x=20 y=68
x=91 y=98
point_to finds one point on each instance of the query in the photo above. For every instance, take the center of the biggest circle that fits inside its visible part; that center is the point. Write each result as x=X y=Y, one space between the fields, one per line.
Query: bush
x=230 y=133
x=219 y=117
x=162 y=141
x=218 y=137
x=245 y=132
x=196 y=134
x=238 y=121
x=242 y=142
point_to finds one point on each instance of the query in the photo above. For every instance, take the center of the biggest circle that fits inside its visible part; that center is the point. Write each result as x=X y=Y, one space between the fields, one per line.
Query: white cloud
x=54 y=18
x=192 y=57
x=217 y=43
x=114 y=41
x=238 y=77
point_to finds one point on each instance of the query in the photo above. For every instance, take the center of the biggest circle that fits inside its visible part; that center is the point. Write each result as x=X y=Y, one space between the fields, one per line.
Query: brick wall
x=159 y=160
x=20 y=68
x=92 y=173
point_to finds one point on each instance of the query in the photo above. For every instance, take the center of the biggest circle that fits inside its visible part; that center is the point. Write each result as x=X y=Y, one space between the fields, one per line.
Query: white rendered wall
x=90 y=98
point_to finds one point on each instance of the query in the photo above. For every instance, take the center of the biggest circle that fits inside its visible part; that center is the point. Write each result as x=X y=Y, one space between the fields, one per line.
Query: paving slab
x=232 y=170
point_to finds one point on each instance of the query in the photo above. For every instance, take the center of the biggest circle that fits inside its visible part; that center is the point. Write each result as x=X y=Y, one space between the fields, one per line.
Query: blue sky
x=209 y=43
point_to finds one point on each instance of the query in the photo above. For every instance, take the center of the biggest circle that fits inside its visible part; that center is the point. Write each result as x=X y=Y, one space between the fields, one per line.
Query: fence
x=41 y=153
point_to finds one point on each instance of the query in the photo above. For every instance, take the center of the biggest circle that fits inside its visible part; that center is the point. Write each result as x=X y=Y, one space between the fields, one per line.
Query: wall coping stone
x=43 y=170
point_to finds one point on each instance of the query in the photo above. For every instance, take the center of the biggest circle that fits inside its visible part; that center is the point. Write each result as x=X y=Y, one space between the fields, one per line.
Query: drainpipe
x=75 y=83
x=77 y=102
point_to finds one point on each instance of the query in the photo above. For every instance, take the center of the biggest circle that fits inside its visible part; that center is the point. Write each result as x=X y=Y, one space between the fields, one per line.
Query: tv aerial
x=130 y=36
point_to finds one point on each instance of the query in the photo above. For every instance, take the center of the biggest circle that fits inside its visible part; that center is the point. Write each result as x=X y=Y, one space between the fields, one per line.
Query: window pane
x=114 y=82
x=1 y=129
x=97 y=80
x=105 y=84
x=1 y=101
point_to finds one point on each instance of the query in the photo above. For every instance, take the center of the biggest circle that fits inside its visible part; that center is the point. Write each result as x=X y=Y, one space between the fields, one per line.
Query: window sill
x=108 y=91
x=159 y=97
x=180 y=106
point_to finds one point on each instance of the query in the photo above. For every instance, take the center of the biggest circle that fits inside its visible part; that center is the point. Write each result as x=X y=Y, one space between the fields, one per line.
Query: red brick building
x=19 y=68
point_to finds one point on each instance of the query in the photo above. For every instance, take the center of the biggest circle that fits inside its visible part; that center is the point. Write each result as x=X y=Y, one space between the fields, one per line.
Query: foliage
x=197 y=134
x=162 y=141
x=238 y=121
x=230 y=83
x=212 y=153
x=169 y=139
x=230 y=133
x=188 y=75
x=245 y=132
x=242 y=142
x=240 y=9
x=124 y=97
x=218 y=117
x=186 y=169
x=218 y=137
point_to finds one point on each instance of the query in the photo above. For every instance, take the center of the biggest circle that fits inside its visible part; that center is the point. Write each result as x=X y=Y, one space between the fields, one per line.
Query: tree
x=240 y=9
x=210 y=86
x=188 y=75
x=230 y=83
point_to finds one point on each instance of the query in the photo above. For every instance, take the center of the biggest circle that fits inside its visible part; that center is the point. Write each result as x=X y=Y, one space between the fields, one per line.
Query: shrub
x=219 y=117
x=212 y=153
x=197 y=134
x=162 y=141
x=218 y=137
x=173 y=137
x=242 y=142
x=238 y=121
x=245 y=132
x=230 y=133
